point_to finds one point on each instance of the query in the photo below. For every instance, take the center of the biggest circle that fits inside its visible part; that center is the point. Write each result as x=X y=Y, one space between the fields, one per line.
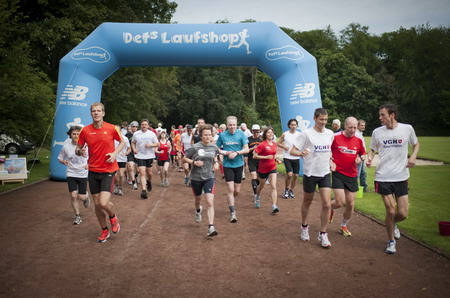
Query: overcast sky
x=304 y=15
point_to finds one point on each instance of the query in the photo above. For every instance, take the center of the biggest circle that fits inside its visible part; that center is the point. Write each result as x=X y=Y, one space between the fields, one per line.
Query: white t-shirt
x=77 y=164
x=359 y=134
x=141 y=139
x=186 y=140
x=289 y=139
x=392 y=147
x=317 y=162
x=121 y=157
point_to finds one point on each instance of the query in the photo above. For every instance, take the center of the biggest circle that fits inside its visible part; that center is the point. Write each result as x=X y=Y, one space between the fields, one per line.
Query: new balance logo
x=303 y=91
x=74 y=93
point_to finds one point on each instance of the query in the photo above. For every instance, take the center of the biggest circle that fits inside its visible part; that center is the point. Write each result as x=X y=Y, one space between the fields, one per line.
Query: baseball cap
x=188 y=126
x=134 y=123
x=256 y=127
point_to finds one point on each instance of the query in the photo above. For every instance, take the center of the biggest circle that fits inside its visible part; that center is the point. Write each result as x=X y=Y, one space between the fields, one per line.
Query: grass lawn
x=429 y=203
x=38 y=172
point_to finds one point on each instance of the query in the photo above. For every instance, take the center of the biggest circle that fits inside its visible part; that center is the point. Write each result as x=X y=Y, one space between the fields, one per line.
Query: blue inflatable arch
x=114 y=45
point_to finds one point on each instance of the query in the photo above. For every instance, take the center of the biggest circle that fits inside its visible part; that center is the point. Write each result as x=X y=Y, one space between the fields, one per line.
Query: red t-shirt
x=165 y=148
x=265 y=149
x=344 y=151
x=100 y=142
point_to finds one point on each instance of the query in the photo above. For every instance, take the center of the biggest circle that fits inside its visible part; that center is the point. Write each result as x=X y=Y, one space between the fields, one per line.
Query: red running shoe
x=115 y=226
x=104 y=236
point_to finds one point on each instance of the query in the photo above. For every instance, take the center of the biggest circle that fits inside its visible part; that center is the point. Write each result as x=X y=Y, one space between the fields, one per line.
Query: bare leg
x=325 y=196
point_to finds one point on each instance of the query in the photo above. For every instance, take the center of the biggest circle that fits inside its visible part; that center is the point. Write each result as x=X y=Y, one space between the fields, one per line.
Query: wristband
x=224 y=152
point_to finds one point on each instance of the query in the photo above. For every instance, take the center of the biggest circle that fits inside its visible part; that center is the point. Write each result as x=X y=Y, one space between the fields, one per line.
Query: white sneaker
x=397 y=234
x=135 y=186
x=198 y=216
x=77 y=220
x=304 y=233
x=275 y=209
x=116 y=190
x=120 y=192
x=212 y=231
x=390 y=249
x=233 y=217
x=323 y=238
x=166 y=182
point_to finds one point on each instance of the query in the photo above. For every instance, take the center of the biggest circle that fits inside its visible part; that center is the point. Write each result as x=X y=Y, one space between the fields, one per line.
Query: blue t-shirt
x=232 y=142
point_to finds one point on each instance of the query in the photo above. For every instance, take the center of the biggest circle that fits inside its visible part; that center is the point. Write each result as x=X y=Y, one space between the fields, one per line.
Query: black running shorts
x=122 y=165
x=266 y=175
x=208 y=186
x=148 y=163
x=233 y=174
x=388 y=188
x=341 y=181
x=76 y=183
x=309 y=183
x=291 y=165
x=252 y=165
x=99 y=182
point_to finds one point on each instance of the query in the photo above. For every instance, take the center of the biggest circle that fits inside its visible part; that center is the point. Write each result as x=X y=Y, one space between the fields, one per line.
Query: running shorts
x=291 y=165
x=148 y=163
x=75 y=183
x=309 y=183
x=99 y=182
x=266 y=175
x=341 y=181
x=387 y=188
x=122 y=165
x=208 y=186
x=233 y=174
x=162 y=162
x=252 y=165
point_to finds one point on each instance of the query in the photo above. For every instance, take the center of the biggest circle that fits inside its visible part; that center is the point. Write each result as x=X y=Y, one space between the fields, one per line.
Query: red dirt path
x=162 y=252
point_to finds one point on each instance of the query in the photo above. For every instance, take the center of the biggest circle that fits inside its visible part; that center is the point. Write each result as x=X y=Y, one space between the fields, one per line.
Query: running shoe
x=285 y=194
x=198 y=215
x=120 y=192
x=104 y=236
x=130 y=182
x=233 y=217
x=304 y=233
x=330 y=220
x=161 y=184
x=135 y=186
x=344 y=231
x=212 y=231
x=87 y=202
x=167 y=182
x=115 y=226
x=275 y=209
x=77 y=220
x=267 y=182
x=144 y=194
x=397 y=234
x=323 y=238
x=291 y=194
x=116 y=190
x=257 y=201
x=390 y=249
x=186 y=180
x=149 y=186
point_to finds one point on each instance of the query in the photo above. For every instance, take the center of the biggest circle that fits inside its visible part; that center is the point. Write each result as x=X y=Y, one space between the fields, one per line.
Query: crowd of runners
x=119 y=159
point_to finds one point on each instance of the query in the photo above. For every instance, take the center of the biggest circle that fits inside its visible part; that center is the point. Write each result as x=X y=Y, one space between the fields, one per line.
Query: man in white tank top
x=291 y=162
x=391 y=176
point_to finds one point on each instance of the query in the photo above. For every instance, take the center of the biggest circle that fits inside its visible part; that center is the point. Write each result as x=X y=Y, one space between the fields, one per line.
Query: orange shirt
x=177 y=142
x=100 y=142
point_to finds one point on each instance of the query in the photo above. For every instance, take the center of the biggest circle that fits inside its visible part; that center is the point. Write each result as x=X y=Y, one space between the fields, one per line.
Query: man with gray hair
x=347 y=152
x=336 y=125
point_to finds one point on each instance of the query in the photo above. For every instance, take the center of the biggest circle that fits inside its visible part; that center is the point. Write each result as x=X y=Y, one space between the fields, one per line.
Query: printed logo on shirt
x=346 y=150
x=322 y=148
x=231 y=143
x=392 y=143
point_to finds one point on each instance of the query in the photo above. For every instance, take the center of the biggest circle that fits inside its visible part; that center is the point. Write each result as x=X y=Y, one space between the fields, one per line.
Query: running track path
x=162 y=252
